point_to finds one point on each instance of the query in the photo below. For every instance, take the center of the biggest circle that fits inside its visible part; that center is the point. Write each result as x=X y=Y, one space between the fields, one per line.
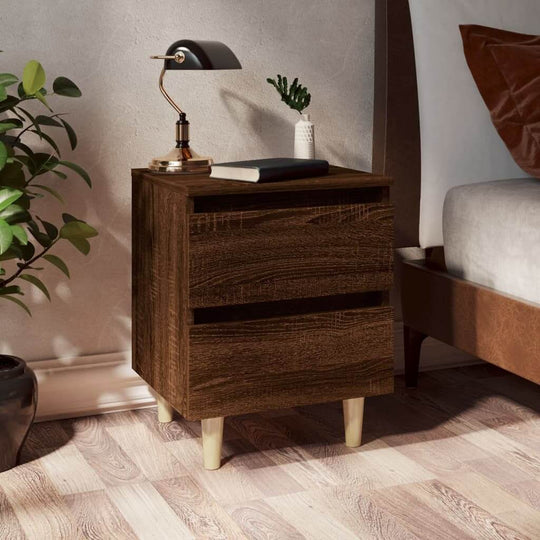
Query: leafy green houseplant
x=26 y=240
x=296 y=96
x=298 y=99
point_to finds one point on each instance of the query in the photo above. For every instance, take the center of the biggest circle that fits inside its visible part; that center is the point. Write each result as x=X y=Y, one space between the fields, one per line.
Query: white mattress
x=492 y=235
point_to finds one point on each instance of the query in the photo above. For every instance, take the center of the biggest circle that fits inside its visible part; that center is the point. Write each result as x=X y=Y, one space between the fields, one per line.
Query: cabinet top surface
x=202 y=184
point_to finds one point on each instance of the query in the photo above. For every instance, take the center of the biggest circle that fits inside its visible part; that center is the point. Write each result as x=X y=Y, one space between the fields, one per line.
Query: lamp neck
x=182 y=131
x=166 y=95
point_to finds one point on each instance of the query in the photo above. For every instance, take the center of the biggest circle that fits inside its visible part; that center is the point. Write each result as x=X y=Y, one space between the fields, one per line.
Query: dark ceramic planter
x=18 y=400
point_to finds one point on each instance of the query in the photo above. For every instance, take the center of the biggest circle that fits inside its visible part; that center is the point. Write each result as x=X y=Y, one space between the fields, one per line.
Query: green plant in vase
x=296 y=96
x=26 y=240
x=298 y=99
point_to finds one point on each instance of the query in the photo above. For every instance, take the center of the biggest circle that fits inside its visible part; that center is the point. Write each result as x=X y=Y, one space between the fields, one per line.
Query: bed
x=458 y=193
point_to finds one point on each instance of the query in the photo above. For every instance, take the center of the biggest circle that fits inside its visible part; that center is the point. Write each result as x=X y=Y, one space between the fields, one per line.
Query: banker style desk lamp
x=182 y=55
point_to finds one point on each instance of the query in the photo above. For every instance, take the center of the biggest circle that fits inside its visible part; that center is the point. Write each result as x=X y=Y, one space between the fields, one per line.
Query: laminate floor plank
x=41 y=512
x=9 y=524
x=463 y=512
x=197 y=509
x=456 y=458
x=297 y=510
x=496 y=500
x=260 y=522
x=528 y=491
x=294 y=460
x=147 y=451
x=113 y=465
x=59 y=465
x=417 y=516
x=176 y=430
x=147 y=513
x=226 y=484
x=97 y=517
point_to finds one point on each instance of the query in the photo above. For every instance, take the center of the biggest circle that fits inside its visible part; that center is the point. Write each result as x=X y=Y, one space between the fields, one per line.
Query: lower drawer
x=247 y=366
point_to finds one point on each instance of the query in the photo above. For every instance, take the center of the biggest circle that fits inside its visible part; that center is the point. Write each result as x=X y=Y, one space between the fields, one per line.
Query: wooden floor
x=458 y=458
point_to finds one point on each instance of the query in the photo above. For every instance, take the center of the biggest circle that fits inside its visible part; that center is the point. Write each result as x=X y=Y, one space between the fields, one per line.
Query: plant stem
x=23 y=267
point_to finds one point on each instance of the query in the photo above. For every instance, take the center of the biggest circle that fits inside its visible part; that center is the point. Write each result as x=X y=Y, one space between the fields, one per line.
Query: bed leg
x=412 y=341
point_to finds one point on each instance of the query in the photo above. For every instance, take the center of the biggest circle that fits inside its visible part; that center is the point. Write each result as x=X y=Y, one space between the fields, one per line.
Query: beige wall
x=122 y=121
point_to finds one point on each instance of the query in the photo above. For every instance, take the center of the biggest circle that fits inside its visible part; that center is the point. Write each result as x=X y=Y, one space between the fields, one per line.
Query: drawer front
x=248 y=366
x=261 y=256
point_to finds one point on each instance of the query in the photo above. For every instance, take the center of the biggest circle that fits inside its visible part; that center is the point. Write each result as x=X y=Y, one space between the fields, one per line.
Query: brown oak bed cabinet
x=249 y=297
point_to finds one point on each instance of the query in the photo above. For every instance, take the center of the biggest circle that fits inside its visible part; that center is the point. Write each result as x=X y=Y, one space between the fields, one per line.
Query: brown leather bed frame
x=495 y=327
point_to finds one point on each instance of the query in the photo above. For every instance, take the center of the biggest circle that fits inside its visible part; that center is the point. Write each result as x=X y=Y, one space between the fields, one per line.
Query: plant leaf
x=12 y=289
x=40 y=236
x=47 y=121
x=48 y=138
x=6 y=236
x=41 y=97
x=60 y=174
x=15 y=213
x=50 y=229
x=64 y=87
x=27 y=251
x=58 y=262
x=37 y=283
x=72 y=136
x=20 y=234
x=7 y=79
x=81 y=244
x=3 y=155
x=51 y=191
x=8 y=103
x=78 y=169
x=33 y=77
x=8 y=196
x=68 y=217
x=20 y=303
x=6 y=126
x=77 y=229
x=3 y=93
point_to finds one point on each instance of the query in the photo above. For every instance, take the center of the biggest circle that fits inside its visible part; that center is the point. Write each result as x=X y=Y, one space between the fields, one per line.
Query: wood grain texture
x=41 y=512
x=147 y=451
x=159 y=290
x=281 y=362
x=496 y=327
x=147 y=512
x=288 y=473
x=227 y=303
x=97 y=517
x=9 y=525
x=396 y=119
x=268 y=255
x=197 y=509
x=102 y=452
x=198 y=185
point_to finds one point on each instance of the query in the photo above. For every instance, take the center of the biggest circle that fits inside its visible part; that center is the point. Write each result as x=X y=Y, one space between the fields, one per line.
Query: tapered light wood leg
x=164 y=410
x=212 y=438
x=353 y=415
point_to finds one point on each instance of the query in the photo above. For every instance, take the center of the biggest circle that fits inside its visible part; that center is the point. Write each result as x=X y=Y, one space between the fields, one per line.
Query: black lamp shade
x=202 y=55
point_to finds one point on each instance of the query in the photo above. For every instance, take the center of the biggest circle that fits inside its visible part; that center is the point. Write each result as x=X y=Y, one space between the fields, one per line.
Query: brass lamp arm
x=166 y=95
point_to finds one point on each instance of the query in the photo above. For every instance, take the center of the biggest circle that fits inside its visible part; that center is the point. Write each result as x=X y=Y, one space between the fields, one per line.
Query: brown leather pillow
x=506 y=69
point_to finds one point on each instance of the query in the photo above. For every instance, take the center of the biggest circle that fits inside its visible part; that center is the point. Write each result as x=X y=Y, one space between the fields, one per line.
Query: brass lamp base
x=181 y=161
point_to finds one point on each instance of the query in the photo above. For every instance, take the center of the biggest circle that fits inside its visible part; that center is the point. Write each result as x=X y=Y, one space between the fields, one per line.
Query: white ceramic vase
x=304 y=138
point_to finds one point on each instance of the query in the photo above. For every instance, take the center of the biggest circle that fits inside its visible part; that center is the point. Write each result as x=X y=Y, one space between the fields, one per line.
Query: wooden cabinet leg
x=353 y=416
x=212 y=438
x=412 y=342
x=165 y=411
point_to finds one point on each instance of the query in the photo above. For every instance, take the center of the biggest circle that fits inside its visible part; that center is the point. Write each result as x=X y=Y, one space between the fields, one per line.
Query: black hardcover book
x=269 y=170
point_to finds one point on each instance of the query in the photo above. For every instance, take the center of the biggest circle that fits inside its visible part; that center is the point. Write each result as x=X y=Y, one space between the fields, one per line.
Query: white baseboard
x=96 y=384
x=87 y=385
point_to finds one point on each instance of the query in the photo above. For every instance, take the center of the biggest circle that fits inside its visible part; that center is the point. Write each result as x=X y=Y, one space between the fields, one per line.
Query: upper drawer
x=265 y=255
